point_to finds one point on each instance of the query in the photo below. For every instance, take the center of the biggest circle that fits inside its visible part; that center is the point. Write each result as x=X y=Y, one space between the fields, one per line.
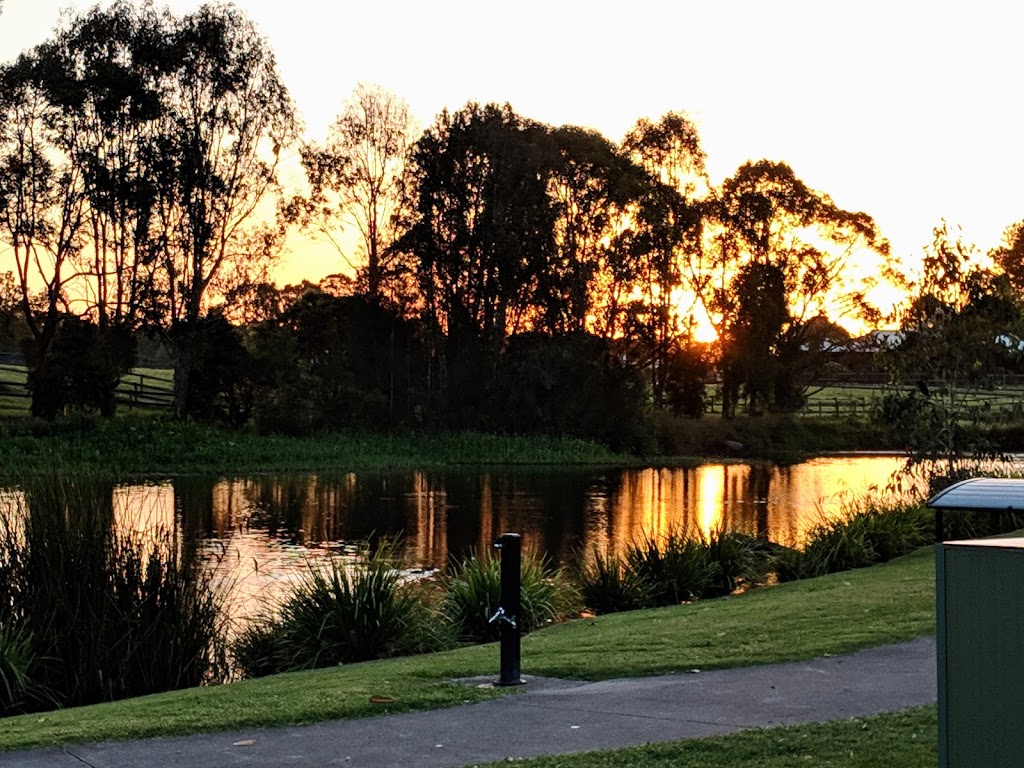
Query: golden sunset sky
x=908 y=111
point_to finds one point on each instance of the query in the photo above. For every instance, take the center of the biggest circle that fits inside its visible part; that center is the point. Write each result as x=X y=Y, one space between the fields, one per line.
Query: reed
x=107 y=613
x=872 y=532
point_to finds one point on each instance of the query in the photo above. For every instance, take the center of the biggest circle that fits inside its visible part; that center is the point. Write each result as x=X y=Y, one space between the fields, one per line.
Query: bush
x=608 y=586
x=342 y=613
x=472 y=592
x=739 y=561
x=872 y=535
x=676 y=568
x=107 y=615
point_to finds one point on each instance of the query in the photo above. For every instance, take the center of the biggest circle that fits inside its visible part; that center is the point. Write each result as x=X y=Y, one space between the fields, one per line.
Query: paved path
x=550 y=717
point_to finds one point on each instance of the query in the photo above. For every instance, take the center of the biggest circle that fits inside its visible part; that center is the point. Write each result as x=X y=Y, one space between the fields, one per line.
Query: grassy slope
x=832 y=614
x=904 y=739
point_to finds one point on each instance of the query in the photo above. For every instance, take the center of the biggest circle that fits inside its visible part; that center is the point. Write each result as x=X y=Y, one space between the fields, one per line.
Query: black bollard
x=509 y=606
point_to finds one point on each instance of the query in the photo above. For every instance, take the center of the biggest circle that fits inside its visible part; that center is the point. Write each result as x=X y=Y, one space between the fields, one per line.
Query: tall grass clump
x=676 y=567
x=472 y=591
x=100 y=613
x=16 y=661
x=874 y=533
x=673 y=569
x=341 y=613
x=739 y=561
x=608 y=585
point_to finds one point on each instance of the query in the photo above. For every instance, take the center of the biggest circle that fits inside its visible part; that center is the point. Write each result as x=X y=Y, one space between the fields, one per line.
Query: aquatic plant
x=108 y=613
x=342 y=612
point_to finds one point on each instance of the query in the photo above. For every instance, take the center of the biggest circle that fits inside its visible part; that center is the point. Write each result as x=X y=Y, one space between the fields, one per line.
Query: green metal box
x=980 y=626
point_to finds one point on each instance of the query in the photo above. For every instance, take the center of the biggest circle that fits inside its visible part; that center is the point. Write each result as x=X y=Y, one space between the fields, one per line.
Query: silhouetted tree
x=482 y=239
x=785 y=251
x=664 y=244
x=85 y=366
x=1008 y=256
x=355 y=183
x=227 y=117
x=337 y=362
x=41 y=211
x=961 y=328
x=102 y=75
x=593 y=187
x=571 y=384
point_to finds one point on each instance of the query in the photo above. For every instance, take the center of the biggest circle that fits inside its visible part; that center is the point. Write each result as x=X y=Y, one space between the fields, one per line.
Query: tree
x=591 y=187
x=102 y=75
x=227 y=118
x=41 y=215
x=1009 y=256
x=355 y=181
x=328 y=368
x=482 y=232
x=481 y=238
x=664 y=244
x=777 y=243
x=961 y=329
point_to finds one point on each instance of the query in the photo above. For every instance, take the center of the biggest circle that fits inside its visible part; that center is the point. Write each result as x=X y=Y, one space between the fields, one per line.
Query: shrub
x=874 y=534
x=341 y=613
x=739 y=561
x=608 y=586
x=676 y=568
x=472 y=592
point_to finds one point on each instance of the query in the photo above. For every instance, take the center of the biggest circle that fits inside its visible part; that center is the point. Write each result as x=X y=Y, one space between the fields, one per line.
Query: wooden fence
x=137 y=390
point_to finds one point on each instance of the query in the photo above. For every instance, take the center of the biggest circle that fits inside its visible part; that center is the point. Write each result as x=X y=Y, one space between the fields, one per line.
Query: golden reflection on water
x=262 y=533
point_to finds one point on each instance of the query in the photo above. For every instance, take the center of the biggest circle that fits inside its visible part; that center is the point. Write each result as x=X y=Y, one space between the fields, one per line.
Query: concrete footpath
x=551 y=717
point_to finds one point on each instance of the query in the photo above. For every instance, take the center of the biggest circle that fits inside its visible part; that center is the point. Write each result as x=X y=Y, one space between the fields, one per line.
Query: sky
x=905 y=110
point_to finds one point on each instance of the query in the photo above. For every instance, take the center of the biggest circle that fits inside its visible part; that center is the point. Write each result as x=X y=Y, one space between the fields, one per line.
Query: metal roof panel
x=981 y=493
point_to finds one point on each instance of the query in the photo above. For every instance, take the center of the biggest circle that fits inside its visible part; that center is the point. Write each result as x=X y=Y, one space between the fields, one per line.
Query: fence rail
x=153 y=389
x=136 y=389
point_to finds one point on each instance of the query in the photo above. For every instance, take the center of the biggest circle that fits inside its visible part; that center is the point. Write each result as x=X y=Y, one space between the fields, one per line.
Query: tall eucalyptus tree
x=785 y=256
x=227 y=117
x=355 y=185
x=41 y=216
x=665 y=241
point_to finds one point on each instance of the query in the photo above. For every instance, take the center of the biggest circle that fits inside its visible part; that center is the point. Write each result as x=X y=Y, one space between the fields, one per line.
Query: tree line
x=498 y=273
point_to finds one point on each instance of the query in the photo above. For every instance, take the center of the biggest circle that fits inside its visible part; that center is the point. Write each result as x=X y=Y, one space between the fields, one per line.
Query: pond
x=262 y=531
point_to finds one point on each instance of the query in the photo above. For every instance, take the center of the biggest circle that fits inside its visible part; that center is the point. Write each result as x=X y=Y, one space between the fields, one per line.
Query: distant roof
x=880 y=339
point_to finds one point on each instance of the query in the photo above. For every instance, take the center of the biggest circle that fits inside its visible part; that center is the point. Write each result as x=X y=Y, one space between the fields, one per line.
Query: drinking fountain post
x=509 y=606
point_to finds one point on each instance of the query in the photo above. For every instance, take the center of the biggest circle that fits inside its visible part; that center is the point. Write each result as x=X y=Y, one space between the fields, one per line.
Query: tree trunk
x=182 y=374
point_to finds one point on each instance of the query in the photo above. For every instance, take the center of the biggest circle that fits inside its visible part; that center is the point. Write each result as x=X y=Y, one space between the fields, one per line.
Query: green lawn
x=832 y=614
x=903 y=739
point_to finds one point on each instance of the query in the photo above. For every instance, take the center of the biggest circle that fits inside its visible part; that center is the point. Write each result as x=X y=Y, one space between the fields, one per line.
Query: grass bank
x=142 y=445
x=139 y=444
x=833 y=614
x=906 y=739
x=779 y=437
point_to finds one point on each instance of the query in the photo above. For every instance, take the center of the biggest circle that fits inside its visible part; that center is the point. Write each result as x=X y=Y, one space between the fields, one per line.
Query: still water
x=262 y=531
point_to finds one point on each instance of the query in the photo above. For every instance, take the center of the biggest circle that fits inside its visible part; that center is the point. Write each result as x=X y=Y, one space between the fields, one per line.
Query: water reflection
x=263 y=531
